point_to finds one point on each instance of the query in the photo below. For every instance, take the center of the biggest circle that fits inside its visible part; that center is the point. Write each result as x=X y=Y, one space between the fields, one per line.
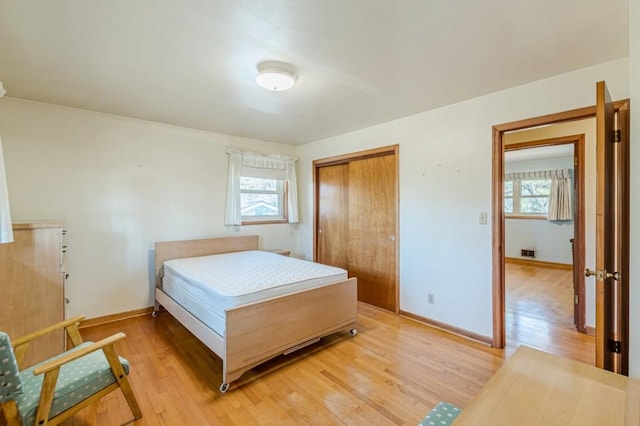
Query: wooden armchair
x=56 y=389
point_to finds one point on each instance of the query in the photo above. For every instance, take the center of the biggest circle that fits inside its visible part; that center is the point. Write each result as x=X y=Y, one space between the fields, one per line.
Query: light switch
x=483 y=218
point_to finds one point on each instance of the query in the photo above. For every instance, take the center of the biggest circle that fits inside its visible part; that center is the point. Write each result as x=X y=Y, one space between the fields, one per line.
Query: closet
x=355 y=221
x=32 y=286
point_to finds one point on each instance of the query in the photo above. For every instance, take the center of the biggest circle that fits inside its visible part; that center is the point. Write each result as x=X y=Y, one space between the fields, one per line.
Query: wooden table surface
x=537 y=388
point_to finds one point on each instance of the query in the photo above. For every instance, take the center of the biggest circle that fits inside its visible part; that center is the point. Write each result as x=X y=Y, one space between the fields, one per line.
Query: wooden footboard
x=263 y=330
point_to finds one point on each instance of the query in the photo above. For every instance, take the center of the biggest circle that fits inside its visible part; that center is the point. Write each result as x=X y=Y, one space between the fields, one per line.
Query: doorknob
x=602 y=275
x=614 y=275
x=588 y=272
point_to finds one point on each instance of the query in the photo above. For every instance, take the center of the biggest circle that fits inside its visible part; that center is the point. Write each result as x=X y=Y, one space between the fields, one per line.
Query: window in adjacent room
x=527 y=197
x=539 y=195
x=508 y=197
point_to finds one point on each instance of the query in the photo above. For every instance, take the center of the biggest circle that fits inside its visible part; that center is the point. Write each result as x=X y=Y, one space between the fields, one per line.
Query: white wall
x=445 y=182
x=550 y=240
x=634 y=81
x=120 y=185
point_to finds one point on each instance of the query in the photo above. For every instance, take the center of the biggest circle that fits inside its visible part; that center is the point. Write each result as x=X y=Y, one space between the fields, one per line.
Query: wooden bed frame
x=259 y=331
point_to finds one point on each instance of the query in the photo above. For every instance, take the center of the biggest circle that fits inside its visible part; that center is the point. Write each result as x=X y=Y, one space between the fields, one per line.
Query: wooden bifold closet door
x=356 y=221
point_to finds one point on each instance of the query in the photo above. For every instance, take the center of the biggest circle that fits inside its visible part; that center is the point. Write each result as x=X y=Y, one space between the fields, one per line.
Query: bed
x=246 y=328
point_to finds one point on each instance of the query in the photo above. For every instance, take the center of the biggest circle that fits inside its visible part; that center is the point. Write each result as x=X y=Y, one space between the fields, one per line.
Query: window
x=527 y=197
x=508 y=197
x=262 y=200
x=261 y=189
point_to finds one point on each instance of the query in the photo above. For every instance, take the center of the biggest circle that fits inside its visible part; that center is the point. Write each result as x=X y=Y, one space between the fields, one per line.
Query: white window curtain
x=6 y=227
x=560 y=197
x=250 y=164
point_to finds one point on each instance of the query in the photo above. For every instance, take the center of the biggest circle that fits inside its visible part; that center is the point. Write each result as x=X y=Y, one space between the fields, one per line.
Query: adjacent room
x=543 y=284
x=352 y=213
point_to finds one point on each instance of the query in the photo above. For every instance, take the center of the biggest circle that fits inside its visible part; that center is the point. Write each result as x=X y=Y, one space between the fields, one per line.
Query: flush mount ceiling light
x=276 y=76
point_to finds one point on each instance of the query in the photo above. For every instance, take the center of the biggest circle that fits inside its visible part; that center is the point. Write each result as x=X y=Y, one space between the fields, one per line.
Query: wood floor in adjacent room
x=393 y=372
x=539 y=312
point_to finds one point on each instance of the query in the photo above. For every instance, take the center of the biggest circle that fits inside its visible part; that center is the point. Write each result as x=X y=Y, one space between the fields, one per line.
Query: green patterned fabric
x=77 y=381
x=442 y=414
x=10 y=382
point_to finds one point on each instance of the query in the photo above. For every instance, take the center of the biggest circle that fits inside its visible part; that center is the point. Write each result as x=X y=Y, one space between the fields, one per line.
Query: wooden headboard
x=168 y=250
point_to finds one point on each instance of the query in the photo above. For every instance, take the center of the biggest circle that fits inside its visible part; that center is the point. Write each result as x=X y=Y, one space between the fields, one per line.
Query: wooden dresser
x=32 y=286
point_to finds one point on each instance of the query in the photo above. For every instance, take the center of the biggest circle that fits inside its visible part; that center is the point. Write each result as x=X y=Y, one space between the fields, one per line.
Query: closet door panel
x=333 y=215
x=372 y=227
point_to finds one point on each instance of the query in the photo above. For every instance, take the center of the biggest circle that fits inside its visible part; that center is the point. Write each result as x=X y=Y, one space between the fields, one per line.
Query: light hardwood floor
x=539 y=312
x=393 y=372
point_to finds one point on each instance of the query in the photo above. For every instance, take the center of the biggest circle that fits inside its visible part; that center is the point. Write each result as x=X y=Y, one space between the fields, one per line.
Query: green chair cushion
x=77 y=381
x=442 y=414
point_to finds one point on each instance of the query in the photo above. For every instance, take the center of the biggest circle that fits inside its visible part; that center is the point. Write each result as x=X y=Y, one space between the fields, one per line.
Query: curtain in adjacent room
x=6 y=230
x=560 y=198
x=276 y=166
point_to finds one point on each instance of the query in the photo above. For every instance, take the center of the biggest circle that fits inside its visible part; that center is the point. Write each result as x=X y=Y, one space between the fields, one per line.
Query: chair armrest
x=21 y=345
x=31 y=336
x=57 y=363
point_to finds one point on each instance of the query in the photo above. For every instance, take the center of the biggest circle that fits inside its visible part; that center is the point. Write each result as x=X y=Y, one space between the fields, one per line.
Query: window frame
x=281 y=192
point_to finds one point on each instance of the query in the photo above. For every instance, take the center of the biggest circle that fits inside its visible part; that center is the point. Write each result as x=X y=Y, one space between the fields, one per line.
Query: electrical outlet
x=483 y=218
x=431 y=299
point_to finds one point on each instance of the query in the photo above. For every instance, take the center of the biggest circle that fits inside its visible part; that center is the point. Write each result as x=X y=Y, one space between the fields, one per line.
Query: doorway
x=612 y=180
x=544 y=253
x=558 y=244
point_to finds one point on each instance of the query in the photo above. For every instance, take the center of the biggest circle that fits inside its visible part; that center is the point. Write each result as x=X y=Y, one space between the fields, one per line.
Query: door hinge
x=617 y=135
x=575 y=299
x=615 y=346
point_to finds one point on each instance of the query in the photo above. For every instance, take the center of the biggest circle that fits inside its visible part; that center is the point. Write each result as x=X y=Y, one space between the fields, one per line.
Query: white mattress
x=208 y=285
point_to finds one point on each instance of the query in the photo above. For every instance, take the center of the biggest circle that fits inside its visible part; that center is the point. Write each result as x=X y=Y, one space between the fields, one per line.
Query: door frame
x=578 y=261
x=497 y=178
x=346 y=158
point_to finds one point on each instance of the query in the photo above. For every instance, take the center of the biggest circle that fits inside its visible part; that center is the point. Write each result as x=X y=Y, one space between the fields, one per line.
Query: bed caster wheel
x=224 y=387
x=353 y=331
x=154 y=314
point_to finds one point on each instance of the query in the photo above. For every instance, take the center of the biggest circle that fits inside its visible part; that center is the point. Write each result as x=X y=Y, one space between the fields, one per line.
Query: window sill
x=263 y=222
x=522 y=216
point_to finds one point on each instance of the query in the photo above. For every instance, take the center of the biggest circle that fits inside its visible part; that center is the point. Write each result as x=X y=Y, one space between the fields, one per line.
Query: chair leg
x=46 y=396
x=127 y=391
x=123 y=381
x=11 y=415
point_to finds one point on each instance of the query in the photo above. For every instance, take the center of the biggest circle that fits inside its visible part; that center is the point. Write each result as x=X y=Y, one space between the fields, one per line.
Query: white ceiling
x=360 y=62
x=541 y=153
